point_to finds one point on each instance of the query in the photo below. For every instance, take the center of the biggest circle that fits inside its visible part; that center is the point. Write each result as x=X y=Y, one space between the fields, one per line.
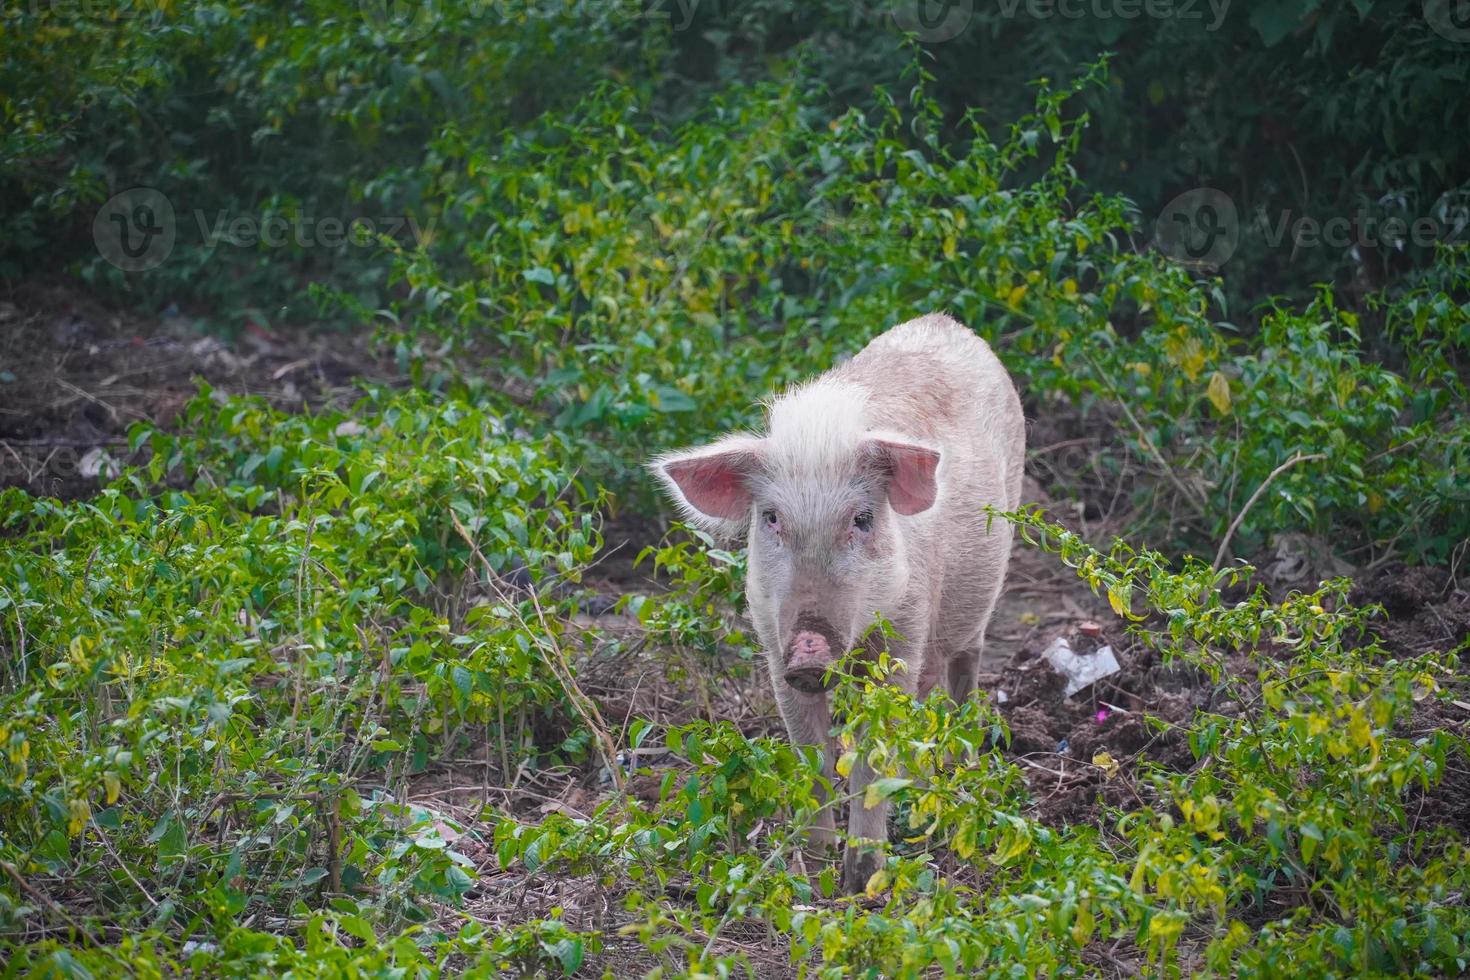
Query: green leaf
x=568 y=951
x=306 y=879
x=359 y=928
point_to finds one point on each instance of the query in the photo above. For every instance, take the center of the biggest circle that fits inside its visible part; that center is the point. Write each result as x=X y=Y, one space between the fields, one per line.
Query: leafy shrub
x=1295 y=108
x=307 y=109
x=642 y=287
x=638 y=266
x=203 y=678
x=289 y=112
x=216 y=692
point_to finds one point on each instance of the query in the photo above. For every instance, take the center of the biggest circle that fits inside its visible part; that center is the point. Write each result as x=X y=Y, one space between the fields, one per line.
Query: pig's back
x=932 y=378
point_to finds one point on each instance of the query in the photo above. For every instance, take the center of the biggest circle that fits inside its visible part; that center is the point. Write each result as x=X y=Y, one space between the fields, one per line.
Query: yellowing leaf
x=1137 y=882
x=1120 y=598
x=113 y=785
x=881 y=789
x=1361 y=732
x=844 y=764
x=1083 y=925
x=78 y=813
x=963 y=843
x=877 y=883
x=1013 y=843
x=1106 y=763
x=1219 y=392
x=1186 y=353
x=1165 y=927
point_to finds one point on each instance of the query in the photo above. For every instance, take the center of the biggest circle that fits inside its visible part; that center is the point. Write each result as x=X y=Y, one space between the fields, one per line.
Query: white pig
x=867 y=494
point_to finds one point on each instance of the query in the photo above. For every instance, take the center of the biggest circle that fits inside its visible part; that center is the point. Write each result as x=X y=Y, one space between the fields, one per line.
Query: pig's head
x=822 y=502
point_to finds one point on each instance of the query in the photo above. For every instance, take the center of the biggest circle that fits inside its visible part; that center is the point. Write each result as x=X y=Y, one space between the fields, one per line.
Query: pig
x=865 y=495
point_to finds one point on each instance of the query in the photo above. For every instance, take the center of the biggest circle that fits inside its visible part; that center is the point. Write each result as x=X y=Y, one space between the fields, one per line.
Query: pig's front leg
x=867 y=827
x=963 y=667
x=864 y=825
x=808 y=720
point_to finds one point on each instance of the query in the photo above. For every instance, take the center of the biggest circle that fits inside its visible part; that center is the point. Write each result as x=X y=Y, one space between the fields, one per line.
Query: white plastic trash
x=1080 y=669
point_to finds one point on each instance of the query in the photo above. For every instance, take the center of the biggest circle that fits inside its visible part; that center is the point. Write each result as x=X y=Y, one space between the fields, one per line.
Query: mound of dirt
x=75 y=375
x=1081 y=752
x=1426 y=608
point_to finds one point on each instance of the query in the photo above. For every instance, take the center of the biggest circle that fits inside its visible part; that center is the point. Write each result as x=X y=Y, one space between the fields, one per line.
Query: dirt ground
x=74 y=375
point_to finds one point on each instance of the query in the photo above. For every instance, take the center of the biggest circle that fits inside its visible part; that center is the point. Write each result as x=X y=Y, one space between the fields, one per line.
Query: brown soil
x=1427 y=608
x=75 y=375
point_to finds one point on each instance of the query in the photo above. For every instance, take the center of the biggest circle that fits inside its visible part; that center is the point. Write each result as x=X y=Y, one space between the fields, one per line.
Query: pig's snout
x=807 y=660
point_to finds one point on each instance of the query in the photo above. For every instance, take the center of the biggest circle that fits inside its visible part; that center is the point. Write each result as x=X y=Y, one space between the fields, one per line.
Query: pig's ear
x=910 y=470
x=711 y=484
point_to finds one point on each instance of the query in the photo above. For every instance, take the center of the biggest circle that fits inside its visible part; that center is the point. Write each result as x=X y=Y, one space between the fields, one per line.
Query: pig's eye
x=863 y=521
x=772 y=520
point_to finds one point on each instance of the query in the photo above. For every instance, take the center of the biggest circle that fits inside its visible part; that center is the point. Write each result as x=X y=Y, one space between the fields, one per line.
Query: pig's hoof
x=858 y=865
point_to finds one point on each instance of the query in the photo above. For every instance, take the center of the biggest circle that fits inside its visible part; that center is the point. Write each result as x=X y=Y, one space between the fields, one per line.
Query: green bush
x=311 y=108
x=642 y=287
x=286 y=111
x=208 y=679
